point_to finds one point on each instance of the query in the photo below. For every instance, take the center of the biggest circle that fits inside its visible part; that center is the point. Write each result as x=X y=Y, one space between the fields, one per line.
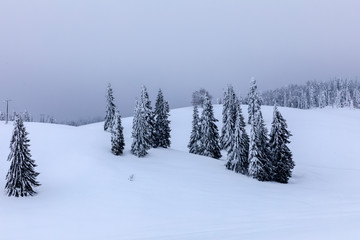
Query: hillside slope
x=86 y=194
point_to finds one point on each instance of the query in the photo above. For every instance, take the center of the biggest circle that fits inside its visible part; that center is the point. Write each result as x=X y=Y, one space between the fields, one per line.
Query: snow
x=86 y=192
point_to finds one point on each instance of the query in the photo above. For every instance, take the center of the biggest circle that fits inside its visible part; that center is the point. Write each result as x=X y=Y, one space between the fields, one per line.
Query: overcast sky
x=56 y=57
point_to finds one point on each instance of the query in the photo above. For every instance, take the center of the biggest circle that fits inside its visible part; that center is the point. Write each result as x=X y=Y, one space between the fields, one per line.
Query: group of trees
x=337 y=93
x=263 y=156
x=204 y=138
x=150 y=128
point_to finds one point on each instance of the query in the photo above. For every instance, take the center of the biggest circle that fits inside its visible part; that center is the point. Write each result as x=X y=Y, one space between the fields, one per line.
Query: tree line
x=337 y=93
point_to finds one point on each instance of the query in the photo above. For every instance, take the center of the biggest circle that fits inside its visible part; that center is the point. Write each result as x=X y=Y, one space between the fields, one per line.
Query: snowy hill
x=86 y=194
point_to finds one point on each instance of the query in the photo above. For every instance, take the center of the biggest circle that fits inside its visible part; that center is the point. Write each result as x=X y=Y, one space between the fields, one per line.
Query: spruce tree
x=239 y=152
x=229 y=118
x=259 y=162
x=195 y=137
x=209 y=131
x=140 y=133
x=282 y=161
x=254 y=101
x=149 y=116
x=110 y=109
x=162 y=124
x=117 y=136
x=21 y=177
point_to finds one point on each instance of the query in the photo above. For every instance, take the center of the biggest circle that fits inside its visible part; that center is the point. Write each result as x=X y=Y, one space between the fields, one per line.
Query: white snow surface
x=86 y=192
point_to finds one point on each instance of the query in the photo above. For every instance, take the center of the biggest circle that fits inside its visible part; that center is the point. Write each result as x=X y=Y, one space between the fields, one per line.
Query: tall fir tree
x=195 y=137
x=149 y=116
x=162 y=123
x=117 y=136
x=110 y=109
x=254 y=100
x=282 y=161
x=21 y=177
x=229 y=118
x=140 y=134
x=209 y=131
x=239 y=152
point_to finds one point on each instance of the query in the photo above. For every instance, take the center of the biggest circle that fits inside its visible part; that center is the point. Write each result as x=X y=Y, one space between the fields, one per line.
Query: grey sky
x=56 y=57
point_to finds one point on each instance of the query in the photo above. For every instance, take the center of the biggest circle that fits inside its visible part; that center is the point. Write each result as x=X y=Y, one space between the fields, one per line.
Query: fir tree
x=259 y=162
x=209 y=131
x=110 y=109
x=281 y=155
x=148 y=114
x=239 y=152
x=21 y=177
x=195 y=137
x=229 y=118
x=254 y=101
x=162 y=124
x=117 y=136
x=140 y=133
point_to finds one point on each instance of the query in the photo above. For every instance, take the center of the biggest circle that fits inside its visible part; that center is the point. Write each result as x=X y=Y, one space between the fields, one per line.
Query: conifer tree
x=110 y=109
x=140 y=133
x=282 y=161
x=117 y=136
x=162 y=124
x=21 y=177
x=254 y=101
x=239 y=152
x=229 y=118
x=195 y=137
x=209 y=131
x=149 y=117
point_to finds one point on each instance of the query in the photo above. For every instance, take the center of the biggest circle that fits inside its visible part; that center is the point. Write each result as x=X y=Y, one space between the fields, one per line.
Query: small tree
x=195 y=137
x=140 y=133
x=281 y=155
x=198 y=97
x=110 y=109
x=162 y=124
x=209 y=131
x=117 y=136
x=254 y=101
x=21 y=177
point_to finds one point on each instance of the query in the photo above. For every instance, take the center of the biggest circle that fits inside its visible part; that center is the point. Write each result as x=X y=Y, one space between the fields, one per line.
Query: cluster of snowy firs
x=150 y=128
x=266 y=158
x=337 y=93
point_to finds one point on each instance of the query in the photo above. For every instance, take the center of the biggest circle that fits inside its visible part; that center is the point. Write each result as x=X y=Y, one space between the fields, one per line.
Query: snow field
x=86 y=194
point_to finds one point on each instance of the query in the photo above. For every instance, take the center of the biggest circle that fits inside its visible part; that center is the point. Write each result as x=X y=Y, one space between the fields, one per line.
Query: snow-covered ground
x=86 y=194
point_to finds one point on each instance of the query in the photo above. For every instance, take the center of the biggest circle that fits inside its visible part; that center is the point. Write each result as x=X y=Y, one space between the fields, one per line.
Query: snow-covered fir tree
x=148 y=114
x=229 y=118
x=259 y=154
x=21 y=177
x=281 y=156
x=110 y=109
x=238 y=154
x=117 y=136
x=162 y=123
x=195 y=137
x=254 y=100
x=140 y=134
x=209 y=131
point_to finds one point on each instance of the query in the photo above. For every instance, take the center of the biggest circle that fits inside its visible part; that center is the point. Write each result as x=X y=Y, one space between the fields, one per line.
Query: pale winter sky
x=56 y=57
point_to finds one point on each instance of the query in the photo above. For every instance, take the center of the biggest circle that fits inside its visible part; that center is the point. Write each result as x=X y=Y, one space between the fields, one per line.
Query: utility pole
x=7 y=109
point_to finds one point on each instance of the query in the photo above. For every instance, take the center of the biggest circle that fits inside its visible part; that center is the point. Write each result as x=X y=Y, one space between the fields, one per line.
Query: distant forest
x=338 y=93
